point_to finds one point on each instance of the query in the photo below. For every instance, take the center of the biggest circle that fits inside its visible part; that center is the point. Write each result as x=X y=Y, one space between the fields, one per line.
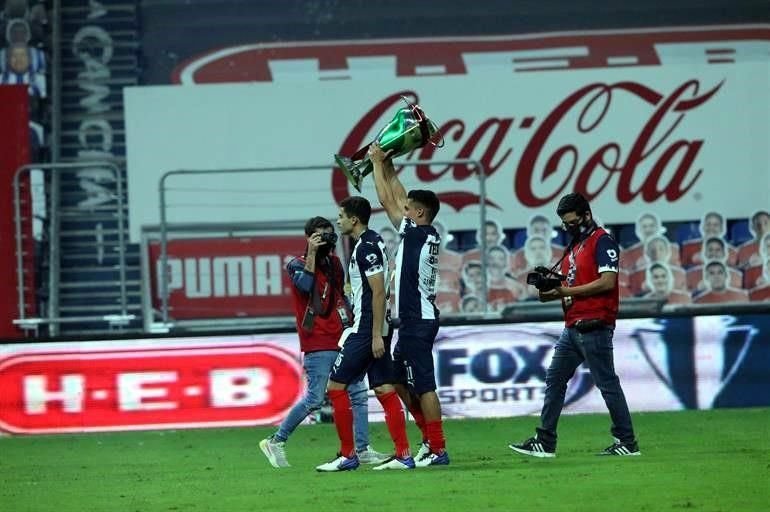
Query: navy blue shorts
x=413 y=355
x=356 y=358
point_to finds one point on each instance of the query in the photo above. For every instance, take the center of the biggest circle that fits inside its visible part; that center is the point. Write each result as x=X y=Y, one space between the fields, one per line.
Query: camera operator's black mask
x=581 y=228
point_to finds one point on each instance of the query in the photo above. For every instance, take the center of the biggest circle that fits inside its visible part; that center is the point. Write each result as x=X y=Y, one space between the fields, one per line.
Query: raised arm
x=390 y=191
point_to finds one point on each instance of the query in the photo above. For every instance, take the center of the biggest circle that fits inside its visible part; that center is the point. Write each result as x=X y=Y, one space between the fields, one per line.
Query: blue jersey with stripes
x=416 y=277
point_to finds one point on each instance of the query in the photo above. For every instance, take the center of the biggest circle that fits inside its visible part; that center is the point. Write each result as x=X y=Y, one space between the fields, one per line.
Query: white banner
x=678 y=137
x=481 y=371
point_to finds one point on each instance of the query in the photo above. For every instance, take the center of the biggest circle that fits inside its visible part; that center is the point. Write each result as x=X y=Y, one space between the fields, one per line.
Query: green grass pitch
x=694 y=460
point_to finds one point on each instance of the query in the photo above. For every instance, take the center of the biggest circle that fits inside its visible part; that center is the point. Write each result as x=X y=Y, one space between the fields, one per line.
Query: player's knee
x=383 y=389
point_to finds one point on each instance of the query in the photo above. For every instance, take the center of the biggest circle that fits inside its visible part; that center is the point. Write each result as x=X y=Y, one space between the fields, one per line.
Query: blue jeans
x=595 y=348
x=317 y=367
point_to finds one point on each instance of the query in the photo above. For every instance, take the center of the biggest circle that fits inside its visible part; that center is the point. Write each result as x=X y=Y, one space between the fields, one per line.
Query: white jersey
x=417 y=271
x=369 y=258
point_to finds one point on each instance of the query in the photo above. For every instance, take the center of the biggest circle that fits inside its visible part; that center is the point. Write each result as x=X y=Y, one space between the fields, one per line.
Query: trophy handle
x=430 y=128
x=436 y=134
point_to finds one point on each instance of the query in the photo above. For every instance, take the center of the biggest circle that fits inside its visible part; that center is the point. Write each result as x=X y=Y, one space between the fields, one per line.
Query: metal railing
x=164 y=225
x=52 y=317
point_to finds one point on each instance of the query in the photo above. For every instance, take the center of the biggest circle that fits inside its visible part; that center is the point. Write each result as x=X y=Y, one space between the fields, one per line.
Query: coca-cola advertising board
x=639 y=121
x=481 y=371
x=224 y=277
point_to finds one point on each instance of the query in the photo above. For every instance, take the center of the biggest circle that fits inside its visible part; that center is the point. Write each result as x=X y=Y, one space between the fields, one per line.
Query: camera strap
x=317 y=299
x=575 y=240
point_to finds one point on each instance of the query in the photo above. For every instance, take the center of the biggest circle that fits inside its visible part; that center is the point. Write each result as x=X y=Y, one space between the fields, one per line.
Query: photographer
x=322 y=313
x=590 y=303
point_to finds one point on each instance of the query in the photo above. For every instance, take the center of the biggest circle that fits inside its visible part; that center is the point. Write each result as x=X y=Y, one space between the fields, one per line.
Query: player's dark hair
x=428 y=199
x=357 y=206
x=573 y=202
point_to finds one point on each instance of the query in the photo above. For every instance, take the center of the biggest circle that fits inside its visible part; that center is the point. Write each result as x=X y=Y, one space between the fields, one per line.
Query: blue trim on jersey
x=607 y=254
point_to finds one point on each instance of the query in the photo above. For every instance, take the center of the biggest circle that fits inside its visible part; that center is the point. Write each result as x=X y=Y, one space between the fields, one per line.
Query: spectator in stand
x=537 y=252
x=764 y=279
x=493 y=235
x=502 y=288
x=748 y=253
x=17 y=31
x=471 y=304
x=762 y=289
x=660 y=281
x=21 y=68
x=449 y=268
x=448 y=259
x=647 y=226
x=712 y=225
x=36 y=17
x=715 y=276
x=712 y=249
x=473 y=278
x=657 y=249
x=753 y=276
x=538 y=225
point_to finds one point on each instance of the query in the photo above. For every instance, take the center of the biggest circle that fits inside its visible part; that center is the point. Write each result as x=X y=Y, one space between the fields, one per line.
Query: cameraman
x=590 y=304
x=321 y=312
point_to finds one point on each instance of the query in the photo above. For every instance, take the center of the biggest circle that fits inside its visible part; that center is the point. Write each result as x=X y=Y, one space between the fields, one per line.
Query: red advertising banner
x=146 y=388
x=226 y=277
x=14 y=152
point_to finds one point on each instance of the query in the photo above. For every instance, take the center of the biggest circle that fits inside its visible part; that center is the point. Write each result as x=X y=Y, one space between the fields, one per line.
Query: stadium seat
x=465 y=240
x=627 y=235
x=519 y=237
x=739 y=232
x=687 y=231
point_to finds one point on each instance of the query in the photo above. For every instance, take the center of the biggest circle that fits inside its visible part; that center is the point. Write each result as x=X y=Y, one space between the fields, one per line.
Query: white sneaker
x=371 y=456
x=432 y=459
x=396 y=463
x=275 y=451
x=423 y=451
x=339 y=464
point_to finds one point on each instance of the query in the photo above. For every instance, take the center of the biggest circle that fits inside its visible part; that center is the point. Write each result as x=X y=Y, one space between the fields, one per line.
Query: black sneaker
x=623 y=449
x=534 y=448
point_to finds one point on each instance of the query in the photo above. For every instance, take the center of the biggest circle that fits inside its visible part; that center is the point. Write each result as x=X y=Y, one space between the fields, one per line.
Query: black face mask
x=580 y=229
